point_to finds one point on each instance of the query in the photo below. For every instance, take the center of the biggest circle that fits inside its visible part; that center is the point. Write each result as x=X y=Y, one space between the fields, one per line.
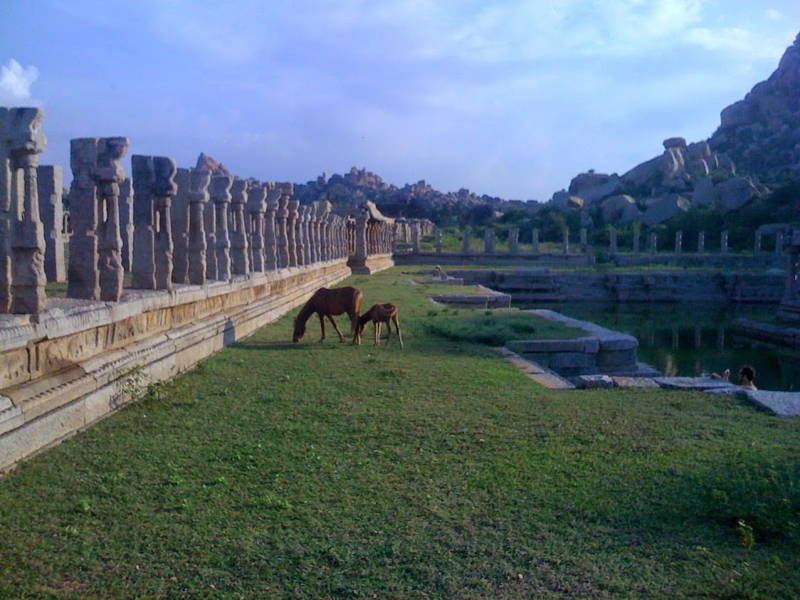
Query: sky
x=510 y=98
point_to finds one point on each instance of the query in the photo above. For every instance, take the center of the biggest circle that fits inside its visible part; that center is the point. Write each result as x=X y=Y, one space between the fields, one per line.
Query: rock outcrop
x=761 y=133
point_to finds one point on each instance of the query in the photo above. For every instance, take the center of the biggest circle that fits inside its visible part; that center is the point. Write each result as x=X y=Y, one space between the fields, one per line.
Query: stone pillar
x=653 y=243
x=723 y=242
x=313 y=249
x=361 y=236
x=22 y=245
x=302 y=247
x=210 y=225
x=179 y=213
x=324 y=209
x=701 y=242
x=220 y=195
x=415 y=236
x=144 y=266
x=757 y=244
x=535 y=241
x=163 y=191
x=488 y=241
x=51 y=211
x=437 y=240
x=612 y=240
x=678 y=242
x=126 y=222
x=779 y=243
x=108 y=175
x=637 y=234
x=198 y=248
x=270 y=228
x=308 y=256
x=282 y=239
x=513 y=240
x=291 y=231
x=256 y=207
x=584 y=241
x=465 y=239
x=240 y=253
x=565 y=239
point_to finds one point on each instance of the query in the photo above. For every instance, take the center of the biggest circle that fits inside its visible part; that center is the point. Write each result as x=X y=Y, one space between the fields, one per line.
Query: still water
x=692 y=339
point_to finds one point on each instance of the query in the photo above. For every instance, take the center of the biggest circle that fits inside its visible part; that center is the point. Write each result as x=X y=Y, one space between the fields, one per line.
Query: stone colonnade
x=163 y=225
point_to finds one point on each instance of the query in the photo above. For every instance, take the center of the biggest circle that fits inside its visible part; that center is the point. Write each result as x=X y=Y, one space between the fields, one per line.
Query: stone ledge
x=38 y=413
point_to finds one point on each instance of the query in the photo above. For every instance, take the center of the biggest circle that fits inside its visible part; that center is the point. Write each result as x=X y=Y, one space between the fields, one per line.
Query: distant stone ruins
x=163 y=269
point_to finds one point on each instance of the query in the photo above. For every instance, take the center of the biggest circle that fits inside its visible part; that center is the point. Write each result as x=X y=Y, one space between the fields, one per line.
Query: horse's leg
x=322 y=327
x=388 y=331
x=353 y=321
x=336 y=327
x=397 y=326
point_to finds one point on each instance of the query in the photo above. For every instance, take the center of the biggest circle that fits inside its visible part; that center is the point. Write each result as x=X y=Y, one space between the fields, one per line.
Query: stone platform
x=78 y=361
x=372 y=264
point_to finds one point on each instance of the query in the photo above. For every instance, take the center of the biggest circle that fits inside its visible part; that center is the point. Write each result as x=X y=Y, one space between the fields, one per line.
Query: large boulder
x=704 y=194
x=734 y=193
x=613 y=207
x=593 y=187
x=665 y=209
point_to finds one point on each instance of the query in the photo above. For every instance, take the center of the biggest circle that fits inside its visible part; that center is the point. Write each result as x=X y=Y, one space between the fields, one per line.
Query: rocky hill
x=757 y=145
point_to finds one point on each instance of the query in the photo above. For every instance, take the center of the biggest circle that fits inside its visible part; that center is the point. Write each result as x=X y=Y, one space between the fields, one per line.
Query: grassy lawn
x=279 y=470
x=496 y=327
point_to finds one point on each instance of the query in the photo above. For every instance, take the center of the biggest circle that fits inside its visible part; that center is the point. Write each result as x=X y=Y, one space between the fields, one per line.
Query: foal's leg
x=377 y=327
x=322 y=327
x=341 y=337
x=397 y=326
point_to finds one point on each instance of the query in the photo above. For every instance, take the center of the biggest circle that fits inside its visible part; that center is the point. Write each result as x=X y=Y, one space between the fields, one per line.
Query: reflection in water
x=694 y=339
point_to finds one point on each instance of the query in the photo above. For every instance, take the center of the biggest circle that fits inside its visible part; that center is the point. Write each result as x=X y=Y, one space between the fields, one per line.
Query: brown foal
x=379 y=314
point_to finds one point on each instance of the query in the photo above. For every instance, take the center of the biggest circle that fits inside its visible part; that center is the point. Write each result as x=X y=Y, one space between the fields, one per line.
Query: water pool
x=693 y=339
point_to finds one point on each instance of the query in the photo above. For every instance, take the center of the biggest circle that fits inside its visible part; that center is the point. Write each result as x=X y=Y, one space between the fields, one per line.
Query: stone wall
x=79 y=361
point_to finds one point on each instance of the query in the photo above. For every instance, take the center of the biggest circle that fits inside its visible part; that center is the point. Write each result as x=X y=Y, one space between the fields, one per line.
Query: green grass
x=279 y=470
x=496 y=327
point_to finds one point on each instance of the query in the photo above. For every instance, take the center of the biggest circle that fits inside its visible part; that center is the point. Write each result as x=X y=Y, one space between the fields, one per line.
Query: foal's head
x=299 y=329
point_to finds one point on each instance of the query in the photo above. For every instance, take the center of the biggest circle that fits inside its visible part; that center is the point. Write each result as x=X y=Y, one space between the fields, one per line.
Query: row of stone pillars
x=165 y=225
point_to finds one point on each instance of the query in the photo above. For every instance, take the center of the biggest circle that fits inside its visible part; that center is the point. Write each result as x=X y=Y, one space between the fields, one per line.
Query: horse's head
x=299 y=330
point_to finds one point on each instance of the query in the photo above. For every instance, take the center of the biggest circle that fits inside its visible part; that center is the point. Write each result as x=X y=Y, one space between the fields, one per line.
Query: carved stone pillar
x=299 y=235
x=535 y=241
x=513 y=240
x=83 y=277
x=565 y=238
x=179 y=213
x=221 y=197
x=361 y=236
x=678 y=242
x=323 y=210
x=256 y=207
x=126 y=222
x=198 y=247
x=465 y=242
x=283 y=240
x=291 y=231
x=51 y=211
x=210 y=225
x=108 y=175
x=240 y=263
x=701 y=242
x=164 y=189
x=270 y=231
x=488 y=241
x=313 y=234
x=437 y=240
x=22 y=245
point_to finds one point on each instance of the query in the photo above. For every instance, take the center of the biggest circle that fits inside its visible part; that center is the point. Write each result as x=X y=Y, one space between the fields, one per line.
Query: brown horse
x=379 y=314
x=327 y=303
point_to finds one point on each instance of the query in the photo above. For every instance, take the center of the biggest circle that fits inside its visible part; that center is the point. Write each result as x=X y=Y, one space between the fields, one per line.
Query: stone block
x=589 y=382
x=692 y=383
x=635 y=382
x=783 y=404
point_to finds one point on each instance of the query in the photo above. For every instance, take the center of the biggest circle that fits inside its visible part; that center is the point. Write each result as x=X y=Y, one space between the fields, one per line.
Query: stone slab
x=692 y=383
x=635 y=382
x=783 y=404
x=590 y=382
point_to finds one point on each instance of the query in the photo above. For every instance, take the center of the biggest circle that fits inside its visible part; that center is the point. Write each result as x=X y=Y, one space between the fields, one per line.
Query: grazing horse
x=327 y=303
x=379 y=314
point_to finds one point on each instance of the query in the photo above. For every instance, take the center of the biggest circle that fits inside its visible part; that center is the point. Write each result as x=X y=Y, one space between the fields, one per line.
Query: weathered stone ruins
x=164 y=268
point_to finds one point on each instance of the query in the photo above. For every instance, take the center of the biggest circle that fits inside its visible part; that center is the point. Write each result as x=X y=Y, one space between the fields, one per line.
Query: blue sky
x=509 y=98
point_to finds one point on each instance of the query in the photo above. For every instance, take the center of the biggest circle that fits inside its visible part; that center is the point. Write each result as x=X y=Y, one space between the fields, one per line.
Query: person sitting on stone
x=746 y=376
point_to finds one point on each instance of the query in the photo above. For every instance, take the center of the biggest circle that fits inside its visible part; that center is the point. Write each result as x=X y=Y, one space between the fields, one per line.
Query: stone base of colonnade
x=79 y=360
x=374 y=263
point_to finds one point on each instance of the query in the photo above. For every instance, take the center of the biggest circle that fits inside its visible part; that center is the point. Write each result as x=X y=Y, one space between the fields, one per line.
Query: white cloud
x=15 y=82
x=773 y=14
